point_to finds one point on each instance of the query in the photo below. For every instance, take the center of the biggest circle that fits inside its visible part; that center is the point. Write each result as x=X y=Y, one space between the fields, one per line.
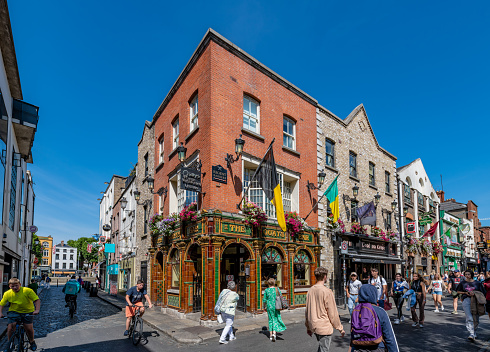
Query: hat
x=353 y=273
x=456 y=271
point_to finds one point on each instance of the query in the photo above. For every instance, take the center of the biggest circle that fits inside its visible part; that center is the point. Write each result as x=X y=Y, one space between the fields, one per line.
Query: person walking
x=400 y=286
x=437 y=286
x=453 y=283
x=364 y=276
x=48 y=282
x=33 y=286
x=321 y=315
x=368 y=299
x=275 y=321
x=228 y=298
x=352 y=290
x=381 y=286
x=486 y=286
x=418 y=286
x=467 y=289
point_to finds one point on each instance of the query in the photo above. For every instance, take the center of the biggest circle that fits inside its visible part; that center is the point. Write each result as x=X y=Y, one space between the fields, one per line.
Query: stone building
x=349 y=149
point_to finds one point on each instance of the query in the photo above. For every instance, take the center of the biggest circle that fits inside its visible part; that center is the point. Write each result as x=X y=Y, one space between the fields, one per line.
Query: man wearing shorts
x=453 y=283
x=22 y=301
x=134 y=297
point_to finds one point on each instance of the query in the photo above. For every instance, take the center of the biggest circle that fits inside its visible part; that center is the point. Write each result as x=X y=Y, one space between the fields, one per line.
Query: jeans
x=472 y=321
x=351 y=303
x=398 y=298
x=324 y=342
x=421 y=302
x=228 y=330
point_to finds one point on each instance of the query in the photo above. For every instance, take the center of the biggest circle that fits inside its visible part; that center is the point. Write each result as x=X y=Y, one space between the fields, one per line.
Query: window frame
x=352 y=156
x=161 y=149
x=387 y=182
x=372 y=174
x=287 y=135
x=307 y=268
x=249 y=115
x=146 y=164
x=330 y=142
x=354 y=204
x=175 y=133
x=193 y=115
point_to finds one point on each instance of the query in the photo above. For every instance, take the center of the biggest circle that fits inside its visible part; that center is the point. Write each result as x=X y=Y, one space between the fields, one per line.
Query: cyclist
x=134 y=297
x=22 y=301
x=71 y=289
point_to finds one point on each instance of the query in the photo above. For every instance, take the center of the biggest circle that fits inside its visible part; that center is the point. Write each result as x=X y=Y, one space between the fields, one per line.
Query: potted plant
x=412 y=245
x=154 y=229
x=436 y=247
x=357 y=229
x=254 y=216
x=425 y=246
x=188 y=213
x=294 y=224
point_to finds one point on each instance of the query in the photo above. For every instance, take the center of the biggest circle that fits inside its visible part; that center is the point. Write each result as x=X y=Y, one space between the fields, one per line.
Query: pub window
x=420 y=198
x=271 y=266
x=251 y=114
x=372 y=180
x=352 y=164
x=388 y=221
x=193 y=107
x=161 y=149
x=175 y=129
x=406 y=193
x=387 y=182
x=184 y=197
x=353 y=211
x=329 y=153
x=302 y=269
x=288 y=128
x=175 y=265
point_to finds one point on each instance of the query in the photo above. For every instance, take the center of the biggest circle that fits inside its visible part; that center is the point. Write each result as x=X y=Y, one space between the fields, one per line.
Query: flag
x=431 y=231
x=367 y=214
x=268 y=179
x=332 y=194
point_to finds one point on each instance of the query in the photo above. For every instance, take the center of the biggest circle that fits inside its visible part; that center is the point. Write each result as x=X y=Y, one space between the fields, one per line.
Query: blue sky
x=98 y=69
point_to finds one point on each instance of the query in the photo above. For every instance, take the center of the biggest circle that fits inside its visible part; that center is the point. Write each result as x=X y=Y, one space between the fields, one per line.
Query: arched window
x=175 y=264
x=45 y=244
x=271 y=266
x=421 y=182
x=302 y=269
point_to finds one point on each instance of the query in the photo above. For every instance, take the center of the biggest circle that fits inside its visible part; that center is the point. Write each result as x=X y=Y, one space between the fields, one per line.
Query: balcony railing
x=25 y=112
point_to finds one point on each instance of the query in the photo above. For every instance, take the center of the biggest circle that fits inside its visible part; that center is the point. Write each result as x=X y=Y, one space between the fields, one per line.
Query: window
x=329 y=150
x=431 y=205
x=64 y=265
x=57 y=256
x=145 y=214
x=184 y=197
x=406 y=193
x=13 y=189
x=72 y=251
x=71 y=265
x=161 y=150
x=56 y=265
x=421 y=230
x=21 y=213
x=251 y=113
x=271 y=266
x=46 y=244
x=146 y=165
x=387 y=182
x=257 y=195
x=64 y=256
x=46 y=253
x=420 y=198
x=388 y=221
x=302 y=269
x=193 y=109
x=45 y=262
x=2 y=175
x=372 y=180
x=288 y=128
x=353 y=211
x=352 y=164
x=175 y=128
x=71 y=256
x=175 y=264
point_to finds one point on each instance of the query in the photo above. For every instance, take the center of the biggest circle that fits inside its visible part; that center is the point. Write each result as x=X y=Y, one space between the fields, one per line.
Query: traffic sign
x=33 y=228
x=36 y=260
x=344 y=249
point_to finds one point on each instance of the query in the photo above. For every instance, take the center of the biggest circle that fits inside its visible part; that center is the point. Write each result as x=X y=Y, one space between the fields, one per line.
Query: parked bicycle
x=18 y=342
x=136 y=326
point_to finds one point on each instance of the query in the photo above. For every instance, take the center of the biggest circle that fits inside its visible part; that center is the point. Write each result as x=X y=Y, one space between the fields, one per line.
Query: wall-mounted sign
x=106 y=227
x=481 y=245
x=33 y=228
x=102 y=239
x=344 y=249
x=410 y=227
x=220 y=174
x=190 y=179
x=373 y=246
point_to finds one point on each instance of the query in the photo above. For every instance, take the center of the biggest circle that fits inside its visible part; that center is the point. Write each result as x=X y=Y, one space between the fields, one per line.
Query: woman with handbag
x=273 y=303
x=226 y=306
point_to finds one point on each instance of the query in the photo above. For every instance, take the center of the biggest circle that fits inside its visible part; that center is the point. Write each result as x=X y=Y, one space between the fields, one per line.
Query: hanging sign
x=481 y=245
x=220 y=174
x=190 y=179
x=411 y=227
x=33 y=229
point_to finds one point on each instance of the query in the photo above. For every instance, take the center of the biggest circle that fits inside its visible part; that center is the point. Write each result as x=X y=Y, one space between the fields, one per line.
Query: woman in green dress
x=275 y=322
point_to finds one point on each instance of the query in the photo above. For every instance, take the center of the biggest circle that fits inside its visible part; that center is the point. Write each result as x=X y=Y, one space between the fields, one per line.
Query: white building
x=18 y=125
x=65 y=260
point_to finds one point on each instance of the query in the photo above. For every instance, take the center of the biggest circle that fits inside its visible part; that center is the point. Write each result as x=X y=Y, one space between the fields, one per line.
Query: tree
x=84 y=256
x=37 y=250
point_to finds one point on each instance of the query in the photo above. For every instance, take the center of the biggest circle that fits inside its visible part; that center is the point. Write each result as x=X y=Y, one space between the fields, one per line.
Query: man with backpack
x=48 y=282
x=321 y=315
x=371 y=326
x=71 y=289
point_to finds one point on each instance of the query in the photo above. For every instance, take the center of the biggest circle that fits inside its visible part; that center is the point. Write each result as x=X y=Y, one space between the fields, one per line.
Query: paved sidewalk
x=189 y=331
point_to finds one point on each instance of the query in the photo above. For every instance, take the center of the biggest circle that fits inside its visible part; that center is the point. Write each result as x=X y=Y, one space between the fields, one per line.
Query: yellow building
x=47 y=249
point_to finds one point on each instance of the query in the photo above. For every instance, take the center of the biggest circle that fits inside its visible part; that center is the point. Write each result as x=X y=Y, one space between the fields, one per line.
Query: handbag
x=281 y=302
x=220 y=319
x=387 y=305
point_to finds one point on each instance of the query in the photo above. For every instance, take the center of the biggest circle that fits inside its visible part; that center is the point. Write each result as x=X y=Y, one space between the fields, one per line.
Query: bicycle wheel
x=11 y=343
x=72 y=309
x=138 y=331
x=24 y=345
x=131 y=327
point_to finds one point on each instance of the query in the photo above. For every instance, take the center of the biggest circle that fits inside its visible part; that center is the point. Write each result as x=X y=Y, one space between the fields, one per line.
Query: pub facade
x=211 y=132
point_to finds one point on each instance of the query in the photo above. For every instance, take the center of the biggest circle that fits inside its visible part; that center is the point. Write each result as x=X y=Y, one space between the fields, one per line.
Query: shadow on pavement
x=105 y=346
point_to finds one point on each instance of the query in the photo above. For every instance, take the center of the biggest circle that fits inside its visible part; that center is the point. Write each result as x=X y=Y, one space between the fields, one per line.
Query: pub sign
x=219 y=174
x=190 y=179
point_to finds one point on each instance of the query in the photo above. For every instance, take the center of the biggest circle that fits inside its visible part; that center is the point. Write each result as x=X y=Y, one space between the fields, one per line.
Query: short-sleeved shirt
x=379 y=282
x=399 y=286
x=354 y=287
x=135 y=296
x=437 y=285
x=455 y=281
x=20 y=302
x=466 y=286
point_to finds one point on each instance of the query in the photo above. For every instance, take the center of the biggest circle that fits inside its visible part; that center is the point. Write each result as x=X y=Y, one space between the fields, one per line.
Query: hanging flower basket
x=436 y=247
x=425 y=246
x=254 y=216
x=412 y=245
x=189 y=213
x=294 y=224
x=357 y=229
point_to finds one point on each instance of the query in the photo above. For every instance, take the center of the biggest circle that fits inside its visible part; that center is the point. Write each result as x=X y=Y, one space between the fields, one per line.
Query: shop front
x=189 y=269
x=452 y=258
x=472 y=264
x=126 y=273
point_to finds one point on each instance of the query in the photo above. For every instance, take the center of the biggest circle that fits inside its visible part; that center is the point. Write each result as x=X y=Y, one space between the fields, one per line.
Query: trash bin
x=93 y=290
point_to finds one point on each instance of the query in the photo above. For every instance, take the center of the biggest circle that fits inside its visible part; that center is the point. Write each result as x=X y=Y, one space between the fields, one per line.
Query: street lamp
x=393 y=205
x=405 y=210
x=377 y=197
x=239 y=143
x=124 y=203
x=355 y=190
x=181 y=150
x=151 y=182
x=321 y=180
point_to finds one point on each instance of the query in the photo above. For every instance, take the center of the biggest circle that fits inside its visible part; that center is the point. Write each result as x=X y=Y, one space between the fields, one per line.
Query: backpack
x=71 y=288
x=366 y=328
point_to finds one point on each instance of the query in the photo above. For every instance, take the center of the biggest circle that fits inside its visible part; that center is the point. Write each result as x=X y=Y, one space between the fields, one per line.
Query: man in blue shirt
x=134 y=297
x=71 y=289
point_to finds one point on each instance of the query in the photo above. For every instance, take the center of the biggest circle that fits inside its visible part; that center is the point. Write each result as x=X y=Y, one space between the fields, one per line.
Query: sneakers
x=436 y=311
x=233 y=338
x=126 y=332
x=442 y=308
x=397 y=321
x=421 y=325
x=273 y=338
x=33 y=345
x=454 y=312
x=402 y=318
x=223 y=342
x=471 y=338
x=350 y=321
x=415 y=324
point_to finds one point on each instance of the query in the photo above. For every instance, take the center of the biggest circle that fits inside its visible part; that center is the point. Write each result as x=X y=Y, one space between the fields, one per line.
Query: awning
x=376 y=259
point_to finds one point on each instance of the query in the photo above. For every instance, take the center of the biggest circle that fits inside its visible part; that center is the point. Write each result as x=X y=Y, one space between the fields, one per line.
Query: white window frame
x=288 y=135
x=194 y=110
x=175 y=131
x=178 y=197
x=161 y=147
x=160 y=204
x=249 y=115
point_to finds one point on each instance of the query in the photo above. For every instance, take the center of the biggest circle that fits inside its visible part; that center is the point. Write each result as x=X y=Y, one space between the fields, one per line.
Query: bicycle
x=135 y=331
x=71 y=305
x=19 y=338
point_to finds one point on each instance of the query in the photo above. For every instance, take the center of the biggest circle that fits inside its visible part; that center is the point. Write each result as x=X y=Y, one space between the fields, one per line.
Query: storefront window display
x=271 y=266
x=302 y=269
x=175 y=263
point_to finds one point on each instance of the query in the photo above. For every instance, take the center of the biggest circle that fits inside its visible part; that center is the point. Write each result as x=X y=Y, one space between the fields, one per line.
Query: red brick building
x=222 y=93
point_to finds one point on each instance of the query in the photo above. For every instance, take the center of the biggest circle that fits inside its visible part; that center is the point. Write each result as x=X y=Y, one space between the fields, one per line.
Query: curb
x=110 y=302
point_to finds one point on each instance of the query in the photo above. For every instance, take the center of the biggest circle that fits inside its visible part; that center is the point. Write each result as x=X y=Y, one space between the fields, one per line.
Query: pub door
x=195 y=255
x=233 y=269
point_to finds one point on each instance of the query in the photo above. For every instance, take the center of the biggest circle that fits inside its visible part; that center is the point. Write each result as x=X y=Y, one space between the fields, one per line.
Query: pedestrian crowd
x=368 y=300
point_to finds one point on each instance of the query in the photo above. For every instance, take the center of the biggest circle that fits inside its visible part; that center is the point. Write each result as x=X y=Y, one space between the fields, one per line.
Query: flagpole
x=323 y=195
x=238 y=206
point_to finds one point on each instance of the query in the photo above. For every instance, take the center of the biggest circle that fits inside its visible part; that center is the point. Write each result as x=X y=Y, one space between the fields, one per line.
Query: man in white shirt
x=381 y=286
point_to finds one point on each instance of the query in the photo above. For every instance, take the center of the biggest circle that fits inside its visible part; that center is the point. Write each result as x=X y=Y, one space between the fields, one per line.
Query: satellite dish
x=464 y=228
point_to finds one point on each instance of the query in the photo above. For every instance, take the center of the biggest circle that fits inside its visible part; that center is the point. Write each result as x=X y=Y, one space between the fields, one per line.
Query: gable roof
x=147 y=125
x=401 y=168
x=8 y=52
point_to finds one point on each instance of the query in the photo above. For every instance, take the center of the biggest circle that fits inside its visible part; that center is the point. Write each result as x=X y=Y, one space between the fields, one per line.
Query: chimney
x=62 y=243
x=440 y=194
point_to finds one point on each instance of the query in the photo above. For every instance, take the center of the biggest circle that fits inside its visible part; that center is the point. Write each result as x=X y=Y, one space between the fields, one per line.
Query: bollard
x=56 y=282
x=93 y=291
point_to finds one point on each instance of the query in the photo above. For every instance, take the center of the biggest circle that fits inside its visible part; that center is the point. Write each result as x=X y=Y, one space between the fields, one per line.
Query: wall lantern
x=405 y=210
x=151 y=182
x=355 y=191
x=239 y=143
x=124 y=203
x=393 y=205
x=321 y=180
x=137 y=194
x=377 y=197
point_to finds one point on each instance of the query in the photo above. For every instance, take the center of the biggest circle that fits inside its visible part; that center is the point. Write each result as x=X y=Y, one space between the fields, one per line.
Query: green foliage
x=37 y=248
x=81 y=245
